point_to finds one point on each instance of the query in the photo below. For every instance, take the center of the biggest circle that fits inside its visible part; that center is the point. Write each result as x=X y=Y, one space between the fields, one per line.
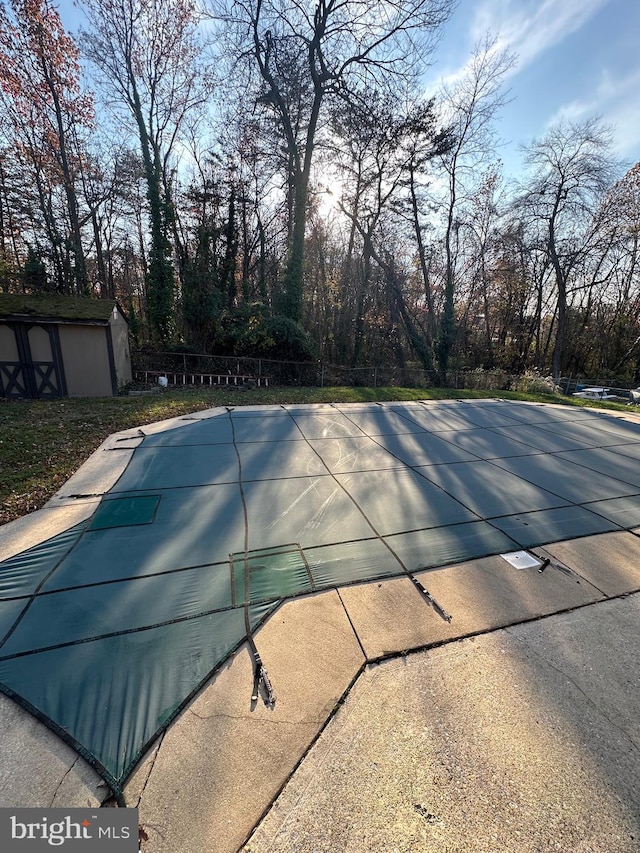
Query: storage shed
x=62 y=346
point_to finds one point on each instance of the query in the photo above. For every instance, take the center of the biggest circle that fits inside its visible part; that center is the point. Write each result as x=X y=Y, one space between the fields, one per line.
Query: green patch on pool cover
x=125 y=512
x=269 y=574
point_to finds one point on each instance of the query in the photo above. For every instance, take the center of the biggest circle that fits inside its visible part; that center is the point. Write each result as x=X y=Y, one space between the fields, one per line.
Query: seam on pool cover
x=351 y=498
x=83 y=528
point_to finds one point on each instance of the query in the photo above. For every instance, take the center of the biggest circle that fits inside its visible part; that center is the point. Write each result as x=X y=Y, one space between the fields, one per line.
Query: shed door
x=31 y=362
x=12 y=379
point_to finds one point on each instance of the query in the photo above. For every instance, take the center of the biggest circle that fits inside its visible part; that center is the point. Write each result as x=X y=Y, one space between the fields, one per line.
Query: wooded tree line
x=264 y=177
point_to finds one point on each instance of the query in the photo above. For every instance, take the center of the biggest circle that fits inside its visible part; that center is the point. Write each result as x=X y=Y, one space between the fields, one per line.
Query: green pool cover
x=108 y=630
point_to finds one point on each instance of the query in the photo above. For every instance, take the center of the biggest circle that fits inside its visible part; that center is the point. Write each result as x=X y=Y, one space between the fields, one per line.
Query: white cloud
x=547 y=35
x=615 y=99
x=528 y=27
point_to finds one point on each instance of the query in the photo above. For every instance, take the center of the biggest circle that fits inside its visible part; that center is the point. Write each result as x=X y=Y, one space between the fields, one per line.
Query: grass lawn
x=43 y=442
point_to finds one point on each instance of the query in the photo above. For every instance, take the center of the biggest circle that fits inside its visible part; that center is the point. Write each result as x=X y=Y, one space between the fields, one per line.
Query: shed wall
x=8 y=345
x=121 y=353
x=86 y=360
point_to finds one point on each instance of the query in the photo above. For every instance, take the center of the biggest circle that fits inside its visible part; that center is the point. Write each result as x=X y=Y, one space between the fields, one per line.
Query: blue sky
x=576 y=58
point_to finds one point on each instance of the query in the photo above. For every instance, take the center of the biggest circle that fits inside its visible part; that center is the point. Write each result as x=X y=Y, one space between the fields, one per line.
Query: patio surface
x=429 y=695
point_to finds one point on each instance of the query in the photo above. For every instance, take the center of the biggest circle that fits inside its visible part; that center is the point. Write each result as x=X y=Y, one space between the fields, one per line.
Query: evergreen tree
x=34 y=273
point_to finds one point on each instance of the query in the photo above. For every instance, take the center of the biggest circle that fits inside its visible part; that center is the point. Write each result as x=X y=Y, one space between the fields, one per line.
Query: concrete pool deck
x=514 y=726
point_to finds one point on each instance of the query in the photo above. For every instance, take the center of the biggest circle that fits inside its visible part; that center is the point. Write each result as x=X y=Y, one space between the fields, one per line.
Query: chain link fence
x=198 y=369
x=194 y=369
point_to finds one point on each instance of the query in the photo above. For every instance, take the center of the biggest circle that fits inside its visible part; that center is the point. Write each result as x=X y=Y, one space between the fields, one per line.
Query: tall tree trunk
x=160 y=283
x=51 y=228
x=447 y=324
x=561 y=285
x=363 y=287
x=422 y=257
x=81 y=287
x=105 y=291
x=293 y=279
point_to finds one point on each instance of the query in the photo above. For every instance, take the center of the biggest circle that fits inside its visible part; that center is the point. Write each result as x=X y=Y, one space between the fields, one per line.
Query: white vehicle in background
x=595 y=394
x=634 y=396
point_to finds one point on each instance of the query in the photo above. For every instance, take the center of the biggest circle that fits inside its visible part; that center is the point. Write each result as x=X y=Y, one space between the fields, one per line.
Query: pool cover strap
x=432 y=601
x=261 y=681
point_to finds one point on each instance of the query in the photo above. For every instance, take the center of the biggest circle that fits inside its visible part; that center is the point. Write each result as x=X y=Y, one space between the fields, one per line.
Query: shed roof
x=56 y=307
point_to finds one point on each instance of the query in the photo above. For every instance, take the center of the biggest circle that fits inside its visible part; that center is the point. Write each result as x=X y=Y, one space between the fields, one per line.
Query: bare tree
x=44 y=106
x=147 y=52
x=478 y=233
x=307 y=54
x=385 y=147
x=470 y=106
x=571 y=169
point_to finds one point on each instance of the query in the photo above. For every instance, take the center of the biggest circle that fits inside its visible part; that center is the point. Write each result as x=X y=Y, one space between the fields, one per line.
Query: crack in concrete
x=353 y=627
x=572 y=681
x=254 y=719
x=597 y=707
x=152 y=764
x=61 y=782
x=558 y=565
